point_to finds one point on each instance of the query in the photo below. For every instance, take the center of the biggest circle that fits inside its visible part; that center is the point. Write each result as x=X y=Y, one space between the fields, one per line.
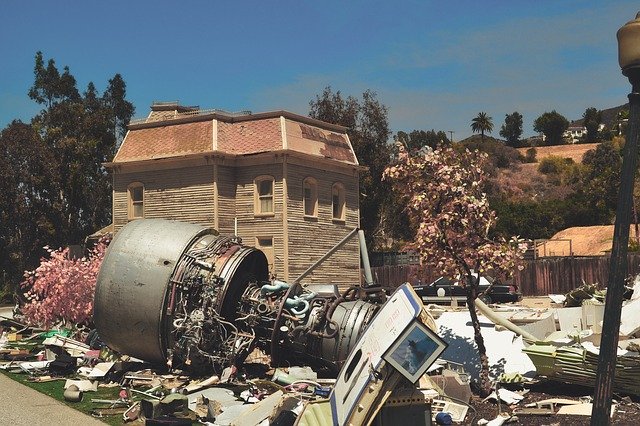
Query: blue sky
x=435 y=64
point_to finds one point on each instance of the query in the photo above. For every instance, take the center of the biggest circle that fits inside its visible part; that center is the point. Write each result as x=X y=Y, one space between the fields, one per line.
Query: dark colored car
x=446 y=290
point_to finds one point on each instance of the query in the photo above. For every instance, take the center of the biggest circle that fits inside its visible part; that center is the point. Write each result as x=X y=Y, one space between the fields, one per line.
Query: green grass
x=55 y=390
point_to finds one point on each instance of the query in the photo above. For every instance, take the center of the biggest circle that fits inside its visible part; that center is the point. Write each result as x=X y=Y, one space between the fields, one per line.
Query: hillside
x=475 y=139
x=574 y=151
x=585 y=241
x=609 y=116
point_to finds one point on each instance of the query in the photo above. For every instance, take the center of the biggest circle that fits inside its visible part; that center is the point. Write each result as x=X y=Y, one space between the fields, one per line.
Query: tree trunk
x=485 y=383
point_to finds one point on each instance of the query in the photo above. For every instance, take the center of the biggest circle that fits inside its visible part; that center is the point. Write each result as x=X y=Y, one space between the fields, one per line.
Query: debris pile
x=190 y=327
x=394 y=361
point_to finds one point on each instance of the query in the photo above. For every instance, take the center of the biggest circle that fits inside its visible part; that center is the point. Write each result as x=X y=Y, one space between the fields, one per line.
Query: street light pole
x=629 y=58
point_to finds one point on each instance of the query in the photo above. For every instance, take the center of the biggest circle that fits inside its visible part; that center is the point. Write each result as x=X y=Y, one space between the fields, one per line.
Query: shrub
x=62 y=289
x=530 y=157
x=555 y=165
x=500 y=155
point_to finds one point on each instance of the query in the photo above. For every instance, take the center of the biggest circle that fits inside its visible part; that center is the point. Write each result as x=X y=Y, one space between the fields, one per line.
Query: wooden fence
x=552 y=275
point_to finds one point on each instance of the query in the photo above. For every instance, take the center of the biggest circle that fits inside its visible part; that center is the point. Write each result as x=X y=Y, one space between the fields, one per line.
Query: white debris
x=504 y=348
x=629 y=323
x=557 y=298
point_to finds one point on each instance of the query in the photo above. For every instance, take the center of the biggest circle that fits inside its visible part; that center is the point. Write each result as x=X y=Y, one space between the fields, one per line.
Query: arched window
x=263 y=198
x=310 y=197
x=135 y=208
x=337 y=201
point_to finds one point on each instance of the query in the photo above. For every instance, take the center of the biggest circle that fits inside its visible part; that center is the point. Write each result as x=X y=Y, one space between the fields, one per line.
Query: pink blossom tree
x=62 y=289
x=443 y=191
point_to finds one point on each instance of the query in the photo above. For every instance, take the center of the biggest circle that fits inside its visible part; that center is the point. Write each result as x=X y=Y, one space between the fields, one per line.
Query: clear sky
x=435 y=64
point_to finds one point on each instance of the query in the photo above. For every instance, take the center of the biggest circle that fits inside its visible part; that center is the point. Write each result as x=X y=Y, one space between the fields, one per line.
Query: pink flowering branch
x=62 y=289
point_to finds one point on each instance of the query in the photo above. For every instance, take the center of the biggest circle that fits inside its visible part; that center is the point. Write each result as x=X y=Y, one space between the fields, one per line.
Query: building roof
x=172 y=130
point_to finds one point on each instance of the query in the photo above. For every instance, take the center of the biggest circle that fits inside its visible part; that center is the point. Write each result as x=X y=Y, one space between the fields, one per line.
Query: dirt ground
x=574 y=151
x=627 y=411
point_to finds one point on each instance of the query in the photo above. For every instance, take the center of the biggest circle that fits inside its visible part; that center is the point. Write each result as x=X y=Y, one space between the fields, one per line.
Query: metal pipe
x=364 y=254
x=272 y=288
x=497 y=319
x=335 y=248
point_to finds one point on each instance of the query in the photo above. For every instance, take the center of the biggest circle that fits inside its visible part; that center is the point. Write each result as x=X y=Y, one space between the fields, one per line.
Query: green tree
x=49 y=87
x=419 y=139
x=82 y=133
x=552 y=125
x=368 y=129
x=500 y=155
x=511 y=130
x=601 y=176
x=54 y=188
x=482 y=123
x=592 y=119
x=28 y=187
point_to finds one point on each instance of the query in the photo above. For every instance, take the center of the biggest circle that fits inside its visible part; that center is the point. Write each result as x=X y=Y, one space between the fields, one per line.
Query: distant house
x=574 y=133
x=285 y=183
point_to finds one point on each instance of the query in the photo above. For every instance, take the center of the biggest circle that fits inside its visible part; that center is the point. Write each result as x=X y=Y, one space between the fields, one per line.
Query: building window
x=310 y=197
x=337 y=201
x=136 y=201
x=264 y=195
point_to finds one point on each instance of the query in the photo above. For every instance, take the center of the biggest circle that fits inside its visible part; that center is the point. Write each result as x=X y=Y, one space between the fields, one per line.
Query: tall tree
x=82 y=133
x=419 y=139
x=368 y=129
x=28 y=188
x=601 y=176
x=552 y=125
x=52 y=180
x=511 y=130
x=49 y=86
x=592 y=119
x=120 y=109
x=444 y=192
x=482 y=123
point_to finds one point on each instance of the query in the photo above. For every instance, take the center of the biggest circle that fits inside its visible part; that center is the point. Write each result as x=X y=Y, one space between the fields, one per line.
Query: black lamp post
x=629 y=58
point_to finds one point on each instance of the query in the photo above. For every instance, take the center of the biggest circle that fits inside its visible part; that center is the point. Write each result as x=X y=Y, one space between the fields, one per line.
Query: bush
x=62 y=289
x=500 y=155
x=555 y=165
x=530 y=157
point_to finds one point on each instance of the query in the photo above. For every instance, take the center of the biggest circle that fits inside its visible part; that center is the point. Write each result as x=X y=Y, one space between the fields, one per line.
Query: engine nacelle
x=180 y=294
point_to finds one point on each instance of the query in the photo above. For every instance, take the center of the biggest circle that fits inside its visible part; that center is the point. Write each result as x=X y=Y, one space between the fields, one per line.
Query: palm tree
x=482 y=123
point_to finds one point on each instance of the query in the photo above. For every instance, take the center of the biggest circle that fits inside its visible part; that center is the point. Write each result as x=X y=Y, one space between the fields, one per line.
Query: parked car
x=445 y=290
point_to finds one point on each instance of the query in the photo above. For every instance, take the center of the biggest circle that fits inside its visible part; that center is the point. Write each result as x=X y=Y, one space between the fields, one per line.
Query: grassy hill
x=574 y=151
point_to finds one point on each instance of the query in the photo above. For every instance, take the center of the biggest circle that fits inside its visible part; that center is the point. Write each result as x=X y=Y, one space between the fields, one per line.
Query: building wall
x=251 y=227
x=226 y=181
x=185 y=194
x=189 y=194
x=310 y=238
